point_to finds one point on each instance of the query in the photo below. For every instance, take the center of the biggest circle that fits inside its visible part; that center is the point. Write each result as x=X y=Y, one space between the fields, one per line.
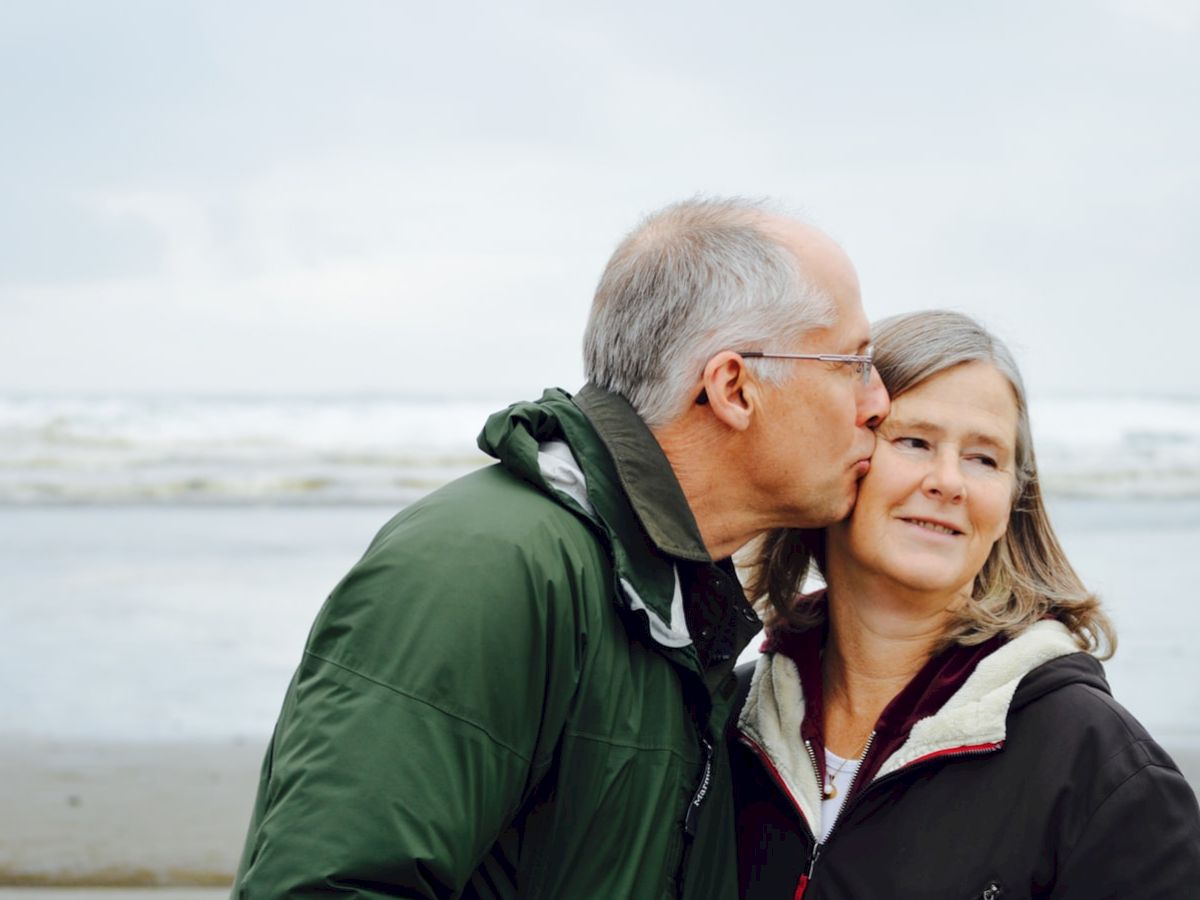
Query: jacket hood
x=553 y=445
x=1073 y=668
x=513 y=435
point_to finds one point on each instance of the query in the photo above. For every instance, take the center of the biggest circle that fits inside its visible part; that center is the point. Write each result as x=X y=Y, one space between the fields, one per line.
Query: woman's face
x=941 y=485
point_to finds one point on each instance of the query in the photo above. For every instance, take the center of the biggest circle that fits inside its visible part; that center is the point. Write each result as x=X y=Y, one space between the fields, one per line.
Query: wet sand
x=113 y=893
x=124 y=814
x=145 y=815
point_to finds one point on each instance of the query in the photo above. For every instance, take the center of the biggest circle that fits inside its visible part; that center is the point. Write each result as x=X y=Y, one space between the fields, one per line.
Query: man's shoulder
x=489 y=501
x=482 y=533
x=486 y=555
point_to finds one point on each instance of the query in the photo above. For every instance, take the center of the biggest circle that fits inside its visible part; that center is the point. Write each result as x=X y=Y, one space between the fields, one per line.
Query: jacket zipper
x=802 y=884
x=976 y=750
x=770 y=767
x=693 y=812
x=853 y=779
x=891 y=776
x=812 y=756
x=850 y=800
x=818 y=846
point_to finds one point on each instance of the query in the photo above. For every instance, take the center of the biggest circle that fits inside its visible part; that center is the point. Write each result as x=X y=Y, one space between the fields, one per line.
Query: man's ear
x=729 y=389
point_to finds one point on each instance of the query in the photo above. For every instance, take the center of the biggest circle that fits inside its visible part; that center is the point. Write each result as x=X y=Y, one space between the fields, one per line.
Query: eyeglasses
x=862 y=364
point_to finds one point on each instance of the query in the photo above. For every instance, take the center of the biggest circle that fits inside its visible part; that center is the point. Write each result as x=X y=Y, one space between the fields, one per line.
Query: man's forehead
x=858 y=329
x=850 y=329
x=827 y=267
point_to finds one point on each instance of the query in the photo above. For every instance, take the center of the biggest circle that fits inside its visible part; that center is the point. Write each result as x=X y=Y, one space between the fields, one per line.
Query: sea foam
x=391 y=450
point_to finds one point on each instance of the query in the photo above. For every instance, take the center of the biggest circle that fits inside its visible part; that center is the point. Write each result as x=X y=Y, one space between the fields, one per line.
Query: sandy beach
x=111 y=893
x=124 y=814
x=150 y=815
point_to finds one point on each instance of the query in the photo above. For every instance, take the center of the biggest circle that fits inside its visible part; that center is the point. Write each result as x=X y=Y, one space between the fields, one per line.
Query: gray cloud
x=294 y=196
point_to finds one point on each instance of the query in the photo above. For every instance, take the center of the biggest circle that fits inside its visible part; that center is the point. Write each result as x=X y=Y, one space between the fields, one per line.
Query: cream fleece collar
x=976 y=715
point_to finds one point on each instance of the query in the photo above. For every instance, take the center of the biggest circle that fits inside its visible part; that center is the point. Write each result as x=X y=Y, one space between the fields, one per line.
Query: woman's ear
x=729 y=390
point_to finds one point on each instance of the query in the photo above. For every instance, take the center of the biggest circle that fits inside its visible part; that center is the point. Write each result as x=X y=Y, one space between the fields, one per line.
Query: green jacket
x=503 y=697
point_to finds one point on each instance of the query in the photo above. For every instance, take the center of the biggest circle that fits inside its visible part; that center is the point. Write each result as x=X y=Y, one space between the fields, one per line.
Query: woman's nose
x=944 y=478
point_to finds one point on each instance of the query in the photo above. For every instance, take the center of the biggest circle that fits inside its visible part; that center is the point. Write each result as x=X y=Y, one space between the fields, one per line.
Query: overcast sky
x=418 y=197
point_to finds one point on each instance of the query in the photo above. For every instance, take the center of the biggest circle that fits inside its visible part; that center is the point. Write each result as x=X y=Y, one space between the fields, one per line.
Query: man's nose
x=873 y=402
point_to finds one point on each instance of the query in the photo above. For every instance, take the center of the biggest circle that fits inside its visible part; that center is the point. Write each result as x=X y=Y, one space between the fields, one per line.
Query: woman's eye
x=984 y=460
x=912 y=443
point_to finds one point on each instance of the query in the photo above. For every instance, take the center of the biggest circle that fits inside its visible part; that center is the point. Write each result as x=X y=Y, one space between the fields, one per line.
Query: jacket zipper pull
x=802 y=884
x=693 y=812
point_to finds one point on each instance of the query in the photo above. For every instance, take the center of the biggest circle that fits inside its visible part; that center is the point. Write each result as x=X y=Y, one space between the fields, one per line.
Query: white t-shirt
x=840 y=773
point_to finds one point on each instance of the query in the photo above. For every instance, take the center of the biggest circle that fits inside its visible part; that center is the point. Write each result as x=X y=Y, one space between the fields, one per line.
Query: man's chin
x=850 y=503
x=832 y=510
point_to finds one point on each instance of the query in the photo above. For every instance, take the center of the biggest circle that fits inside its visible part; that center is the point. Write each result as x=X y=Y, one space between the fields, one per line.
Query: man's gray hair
x=691 y=280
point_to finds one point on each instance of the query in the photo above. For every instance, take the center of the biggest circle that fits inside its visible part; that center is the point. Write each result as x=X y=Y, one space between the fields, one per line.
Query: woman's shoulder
x=1066 y=706
x=1127 y=819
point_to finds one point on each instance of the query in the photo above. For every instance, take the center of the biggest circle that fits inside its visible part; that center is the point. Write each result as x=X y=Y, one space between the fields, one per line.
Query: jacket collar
x=645 y=474
x=973 y=718
x=977 y=714
x=926 y=692
x=551 y=443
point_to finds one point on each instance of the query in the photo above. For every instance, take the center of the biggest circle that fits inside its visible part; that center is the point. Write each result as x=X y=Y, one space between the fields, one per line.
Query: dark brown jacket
x=1029 y=781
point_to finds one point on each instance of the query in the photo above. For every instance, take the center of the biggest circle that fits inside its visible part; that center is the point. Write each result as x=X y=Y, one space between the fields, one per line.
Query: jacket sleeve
x=433 y=689
x=1142 y=840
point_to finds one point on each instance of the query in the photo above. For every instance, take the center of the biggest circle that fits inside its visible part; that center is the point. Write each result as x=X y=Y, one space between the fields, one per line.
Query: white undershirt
x=845 y=770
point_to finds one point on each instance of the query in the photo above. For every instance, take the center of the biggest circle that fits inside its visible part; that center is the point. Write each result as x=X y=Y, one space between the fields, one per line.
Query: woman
x=935 y=723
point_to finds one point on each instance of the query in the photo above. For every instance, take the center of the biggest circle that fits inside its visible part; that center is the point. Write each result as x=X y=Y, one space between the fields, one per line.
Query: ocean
x=161 y=558
x=381 y=450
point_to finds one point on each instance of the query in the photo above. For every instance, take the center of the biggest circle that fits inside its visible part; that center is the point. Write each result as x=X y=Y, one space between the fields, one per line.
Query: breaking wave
x=390 y=450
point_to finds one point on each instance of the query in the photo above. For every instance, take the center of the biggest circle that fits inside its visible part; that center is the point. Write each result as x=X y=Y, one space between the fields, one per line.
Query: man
x=521 y=689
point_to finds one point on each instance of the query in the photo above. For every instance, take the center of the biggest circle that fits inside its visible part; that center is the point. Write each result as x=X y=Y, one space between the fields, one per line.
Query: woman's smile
x=931 y=525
